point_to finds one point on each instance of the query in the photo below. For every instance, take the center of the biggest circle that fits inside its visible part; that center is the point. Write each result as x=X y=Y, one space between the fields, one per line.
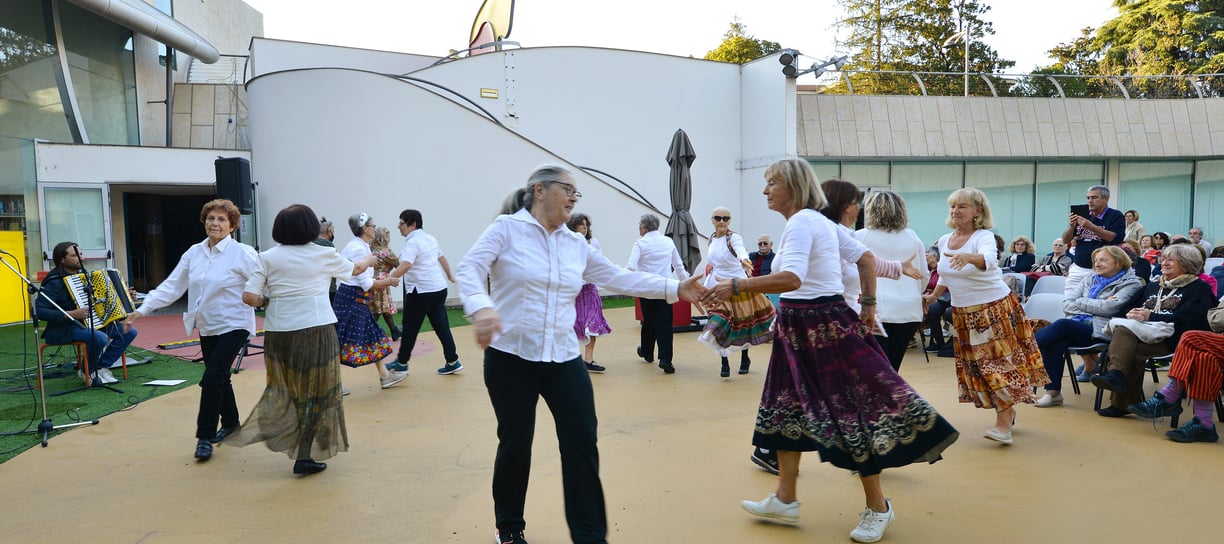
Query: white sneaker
x=1049 y=401
x=393 y=377
x=773 y=508
x=1001 y=437
x=105 y=375
x=344 y=391
x=872 y=524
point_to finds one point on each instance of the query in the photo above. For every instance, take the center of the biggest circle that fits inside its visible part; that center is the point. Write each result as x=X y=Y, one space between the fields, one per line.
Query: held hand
x=717 y=294
x=691 y=290
x=487 y=323
x=908 y=268
x=393 y=281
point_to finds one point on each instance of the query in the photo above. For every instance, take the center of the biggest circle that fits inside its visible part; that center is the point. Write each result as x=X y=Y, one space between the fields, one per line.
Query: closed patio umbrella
x=681 y=228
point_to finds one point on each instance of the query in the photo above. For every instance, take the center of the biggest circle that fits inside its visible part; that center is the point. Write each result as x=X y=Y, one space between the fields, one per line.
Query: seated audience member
x=1019 y=261
x=1215 y=286
x=1180 y=298
x=1196 y=372
x=1196 y=237
x=940 y=310
x=1134 y=229
x=1104 y=294
x=1142 y=268
x=1055 y=263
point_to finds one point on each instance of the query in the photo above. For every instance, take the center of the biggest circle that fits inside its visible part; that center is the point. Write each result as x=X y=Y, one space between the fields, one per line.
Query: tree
x=908 y=35
x=1081 y=59
x=1163 y=37
x=738 y=47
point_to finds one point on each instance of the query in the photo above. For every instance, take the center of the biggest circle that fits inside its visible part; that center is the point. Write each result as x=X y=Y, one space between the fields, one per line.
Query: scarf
x=1178 y=282
x=1099 y=283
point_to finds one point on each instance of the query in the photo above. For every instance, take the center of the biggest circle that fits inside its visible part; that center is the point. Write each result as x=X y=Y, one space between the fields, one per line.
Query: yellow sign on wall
x=14 y=307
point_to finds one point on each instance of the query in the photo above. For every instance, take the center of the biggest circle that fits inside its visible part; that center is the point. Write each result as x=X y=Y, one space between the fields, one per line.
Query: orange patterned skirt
x=997 y=360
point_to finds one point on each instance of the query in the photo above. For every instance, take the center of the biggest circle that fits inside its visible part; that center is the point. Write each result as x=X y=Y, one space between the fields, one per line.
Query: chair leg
x=1071 y=372
x=123 y=363
x=1220 y=406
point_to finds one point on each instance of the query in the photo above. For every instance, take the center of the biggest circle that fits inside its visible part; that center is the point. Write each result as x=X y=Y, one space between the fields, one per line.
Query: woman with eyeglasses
x=362 y=342
x=519 y=282
x=730 y=332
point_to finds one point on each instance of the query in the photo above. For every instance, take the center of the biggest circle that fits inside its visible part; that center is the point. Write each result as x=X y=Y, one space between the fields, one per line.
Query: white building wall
x=269 y=56
x=344 y=141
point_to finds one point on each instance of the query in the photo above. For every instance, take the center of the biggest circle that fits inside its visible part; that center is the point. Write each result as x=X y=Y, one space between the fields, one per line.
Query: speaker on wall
x=234 y=182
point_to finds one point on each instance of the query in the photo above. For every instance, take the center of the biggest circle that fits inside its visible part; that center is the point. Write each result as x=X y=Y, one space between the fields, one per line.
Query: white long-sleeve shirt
x=535 y=276
x=296 y=280
x=356 y=250
x=811 y=249
x=725 y=264
x=899 y=300
x=656 y=254
x=213 y=279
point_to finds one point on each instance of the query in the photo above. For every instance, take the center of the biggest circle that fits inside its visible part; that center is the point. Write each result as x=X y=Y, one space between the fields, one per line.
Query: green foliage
x=739 y=47
x=908 y=35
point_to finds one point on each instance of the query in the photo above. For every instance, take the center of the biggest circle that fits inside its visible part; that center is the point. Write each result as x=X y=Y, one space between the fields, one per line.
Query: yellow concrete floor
x=675 y=466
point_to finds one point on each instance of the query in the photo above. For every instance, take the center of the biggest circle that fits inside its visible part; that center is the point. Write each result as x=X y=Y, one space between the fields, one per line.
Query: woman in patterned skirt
x=998 y=363
x=829 y=388
x=743 y=320
x=381 y=303
x=591 y=323
x=300 y=412
x=362 y=342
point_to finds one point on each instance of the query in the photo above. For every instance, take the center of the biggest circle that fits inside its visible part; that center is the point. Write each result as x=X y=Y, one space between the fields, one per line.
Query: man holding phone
x=1096 y=226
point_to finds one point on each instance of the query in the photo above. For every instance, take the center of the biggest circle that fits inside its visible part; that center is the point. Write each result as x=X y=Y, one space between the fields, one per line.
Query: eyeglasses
x=721 y=217
x=762 y=243
x=569 y=189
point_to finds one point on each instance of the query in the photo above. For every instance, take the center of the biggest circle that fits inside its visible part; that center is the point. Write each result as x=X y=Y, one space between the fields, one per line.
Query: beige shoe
x=1001 y=437
x=1049 y=401
x=393 y=377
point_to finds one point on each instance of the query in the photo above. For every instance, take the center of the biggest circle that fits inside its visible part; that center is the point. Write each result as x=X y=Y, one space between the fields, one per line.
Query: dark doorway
x=160 y=228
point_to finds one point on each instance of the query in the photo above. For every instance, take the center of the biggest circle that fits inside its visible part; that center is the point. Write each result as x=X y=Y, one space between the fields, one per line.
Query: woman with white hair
x=362 y=342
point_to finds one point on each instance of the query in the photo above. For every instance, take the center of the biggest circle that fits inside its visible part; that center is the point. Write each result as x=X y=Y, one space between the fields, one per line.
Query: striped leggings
x=1197 y=363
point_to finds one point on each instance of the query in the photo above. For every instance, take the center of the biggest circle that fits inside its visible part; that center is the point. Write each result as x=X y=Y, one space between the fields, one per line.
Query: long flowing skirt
x=830 y=389
x=361 y=340
x=997 y=360
x=741 y=322
x=300 y=413
x=590 y=320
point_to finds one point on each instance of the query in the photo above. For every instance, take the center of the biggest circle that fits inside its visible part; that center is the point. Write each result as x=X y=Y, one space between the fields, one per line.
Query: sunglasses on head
x=721 y=218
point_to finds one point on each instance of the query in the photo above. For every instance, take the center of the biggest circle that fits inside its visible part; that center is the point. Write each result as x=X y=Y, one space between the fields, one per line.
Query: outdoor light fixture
x=790 y=62
x=790 y=57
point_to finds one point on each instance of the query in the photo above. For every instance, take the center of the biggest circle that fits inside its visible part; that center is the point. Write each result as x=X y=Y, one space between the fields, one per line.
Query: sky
x=1024 y=29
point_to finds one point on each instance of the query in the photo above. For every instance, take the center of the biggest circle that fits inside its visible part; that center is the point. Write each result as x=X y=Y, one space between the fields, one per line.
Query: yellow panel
x=13 y=305
x=499 y=14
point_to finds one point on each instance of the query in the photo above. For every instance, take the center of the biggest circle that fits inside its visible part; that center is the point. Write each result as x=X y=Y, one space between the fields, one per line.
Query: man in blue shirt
x=1103 y=226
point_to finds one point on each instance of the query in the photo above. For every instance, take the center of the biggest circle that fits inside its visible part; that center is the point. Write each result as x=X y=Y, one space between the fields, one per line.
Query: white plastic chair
x=1212 y=263
x=1048 y=306
x=1050 y=284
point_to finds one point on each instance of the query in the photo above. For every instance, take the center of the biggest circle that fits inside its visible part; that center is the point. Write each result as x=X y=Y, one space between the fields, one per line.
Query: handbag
x=1215 y=318
x=1148 y=332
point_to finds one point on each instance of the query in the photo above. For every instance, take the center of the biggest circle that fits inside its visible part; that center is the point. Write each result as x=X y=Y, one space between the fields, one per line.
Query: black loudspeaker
x=234 y=182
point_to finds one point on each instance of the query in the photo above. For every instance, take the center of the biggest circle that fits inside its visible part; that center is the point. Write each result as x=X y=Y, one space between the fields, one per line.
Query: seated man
x=1196 y=372
x=105 y=345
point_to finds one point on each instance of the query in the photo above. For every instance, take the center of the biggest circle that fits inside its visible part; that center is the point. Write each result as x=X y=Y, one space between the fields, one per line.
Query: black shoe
x=224 y=432
x=726 y=368
x=744 y=362
x=510 y=537
x=1194 y=431
x=1113 y=381
x=1155 y=407
x=767 y=461
x=648 y=356
x=395 y=333
x=667 y=367
x=204 y=450
x=598 y=369
x=306 y=466
x=1110 y=411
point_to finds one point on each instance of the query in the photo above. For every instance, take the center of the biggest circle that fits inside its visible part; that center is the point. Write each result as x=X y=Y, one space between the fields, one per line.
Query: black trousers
x=216 y=390
x=939 y=310
x=656 y=328
x=515 y=385
x=899 y=336
x=418 y=306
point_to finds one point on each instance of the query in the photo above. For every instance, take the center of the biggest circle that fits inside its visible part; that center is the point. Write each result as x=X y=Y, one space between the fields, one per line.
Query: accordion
x=109 y=294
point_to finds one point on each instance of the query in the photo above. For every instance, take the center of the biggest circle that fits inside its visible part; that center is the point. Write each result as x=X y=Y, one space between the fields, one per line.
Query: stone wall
x=209 y=116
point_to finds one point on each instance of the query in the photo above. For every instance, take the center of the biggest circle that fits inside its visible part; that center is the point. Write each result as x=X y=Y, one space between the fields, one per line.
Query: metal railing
x=890 y=82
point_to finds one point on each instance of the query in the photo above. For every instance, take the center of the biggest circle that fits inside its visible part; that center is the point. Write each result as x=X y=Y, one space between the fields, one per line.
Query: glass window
x=1009 y=190
x=76 y=215
x=864 y=174
x=826 y=170
x=925 y=186
x=1160 y=191
x=1059 y=185
x=103 y=75
x=30 y=104
x=1208 y=201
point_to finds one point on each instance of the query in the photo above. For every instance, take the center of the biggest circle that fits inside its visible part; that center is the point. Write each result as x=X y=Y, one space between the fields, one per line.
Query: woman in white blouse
x=212 y=273
x=900 y=300
x=829 y=388
x=998 y=364
x=535 y=267
x=727 y=259
x=300 y=412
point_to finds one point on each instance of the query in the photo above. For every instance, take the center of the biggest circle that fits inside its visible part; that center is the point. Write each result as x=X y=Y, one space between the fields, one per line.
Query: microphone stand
x=45 y=426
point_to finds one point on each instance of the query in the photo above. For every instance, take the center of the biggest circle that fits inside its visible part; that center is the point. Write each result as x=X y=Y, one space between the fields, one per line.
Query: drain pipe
x=170 y=58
